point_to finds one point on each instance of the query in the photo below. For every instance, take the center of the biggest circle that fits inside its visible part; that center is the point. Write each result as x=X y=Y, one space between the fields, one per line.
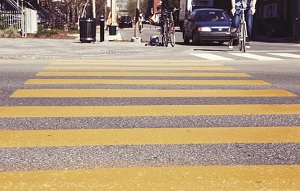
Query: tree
x=174 y=3
x=131 y=7
x=76 y=9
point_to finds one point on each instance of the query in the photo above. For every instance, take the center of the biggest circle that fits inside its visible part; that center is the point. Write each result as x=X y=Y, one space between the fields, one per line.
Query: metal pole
x=22 y=19
x=101 y=28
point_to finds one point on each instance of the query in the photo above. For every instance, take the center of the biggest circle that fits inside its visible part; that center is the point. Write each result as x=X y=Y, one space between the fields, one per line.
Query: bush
x=10 y=32
x=45 y=32
x=1 y=33
x=2 y=25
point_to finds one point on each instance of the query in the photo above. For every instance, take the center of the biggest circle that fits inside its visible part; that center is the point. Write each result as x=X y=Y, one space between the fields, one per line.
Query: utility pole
x=113 y=13
x=94 y=8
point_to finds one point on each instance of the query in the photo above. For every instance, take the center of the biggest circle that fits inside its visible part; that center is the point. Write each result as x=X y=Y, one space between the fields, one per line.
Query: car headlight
x=204 y=29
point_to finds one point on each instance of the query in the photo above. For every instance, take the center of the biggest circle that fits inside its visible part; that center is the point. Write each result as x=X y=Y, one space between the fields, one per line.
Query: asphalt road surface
x=187 y=118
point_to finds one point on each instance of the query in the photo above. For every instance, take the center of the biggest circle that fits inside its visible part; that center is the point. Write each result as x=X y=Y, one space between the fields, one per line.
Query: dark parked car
x=207 y=25
x=125 y=22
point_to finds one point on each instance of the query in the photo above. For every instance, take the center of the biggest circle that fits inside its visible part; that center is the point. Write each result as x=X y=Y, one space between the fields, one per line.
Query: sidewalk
x=35 y=48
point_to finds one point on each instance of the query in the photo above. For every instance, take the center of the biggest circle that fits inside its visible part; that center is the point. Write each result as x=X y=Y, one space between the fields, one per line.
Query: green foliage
x=2 y=25
x=73 y=31
x=45 y=32
x=1 y=33
x=10 y=32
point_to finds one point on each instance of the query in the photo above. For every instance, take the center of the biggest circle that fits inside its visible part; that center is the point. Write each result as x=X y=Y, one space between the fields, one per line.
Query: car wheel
x=235 y=43
x=194 y=39
x=185 y=39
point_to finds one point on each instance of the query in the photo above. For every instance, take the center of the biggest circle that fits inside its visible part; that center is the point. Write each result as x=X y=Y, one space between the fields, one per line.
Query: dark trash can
x=87 y=29
x=112 y=30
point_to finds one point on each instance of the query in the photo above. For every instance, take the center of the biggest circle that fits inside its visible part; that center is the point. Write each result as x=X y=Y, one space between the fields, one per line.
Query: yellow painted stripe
x=151 y=82
x=191 y=178
x=148 y=136
x=137 y=62
x=206 y=74
x=142 y=67
x=147 y=93
x=147 y=64
x=148 y=110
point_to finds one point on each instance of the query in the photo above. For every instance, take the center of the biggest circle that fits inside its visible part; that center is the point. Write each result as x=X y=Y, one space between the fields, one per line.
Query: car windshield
x=124 y=18
x=207 y=15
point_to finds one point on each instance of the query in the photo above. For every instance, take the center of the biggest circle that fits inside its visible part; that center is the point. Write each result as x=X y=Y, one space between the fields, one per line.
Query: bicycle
x=242 y=31
x=168 y=29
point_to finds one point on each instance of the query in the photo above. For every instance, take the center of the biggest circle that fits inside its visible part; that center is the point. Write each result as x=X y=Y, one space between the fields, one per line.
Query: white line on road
x=211 y=56
x=255 y=57
x=289 y=55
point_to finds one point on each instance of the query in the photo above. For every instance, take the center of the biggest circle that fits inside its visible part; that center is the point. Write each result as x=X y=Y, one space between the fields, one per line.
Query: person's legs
x=235 y=22
x=249 y=20
x=234 y=26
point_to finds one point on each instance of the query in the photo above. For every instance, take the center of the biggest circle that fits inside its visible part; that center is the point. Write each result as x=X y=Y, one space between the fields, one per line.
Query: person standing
x=250 y=11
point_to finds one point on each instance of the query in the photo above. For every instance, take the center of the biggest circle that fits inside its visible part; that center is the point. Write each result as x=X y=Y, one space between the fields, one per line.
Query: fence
x=10 y=18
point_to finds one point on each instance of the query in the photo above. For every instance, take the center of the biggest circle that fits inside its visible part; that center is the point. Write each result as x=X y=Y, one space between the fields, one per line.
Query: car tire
x=185 y=39
x=194 y=39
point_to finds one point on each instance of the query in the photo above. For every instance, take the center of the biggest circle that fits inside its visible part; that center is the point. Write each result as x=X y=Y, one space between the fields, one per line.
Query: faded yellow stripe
x=151 y=82
x=147 y=110
x=142 y=67
x=136 y=62
x=190 y=74
x=191 y=178
x=147 y=93
x=148 y=136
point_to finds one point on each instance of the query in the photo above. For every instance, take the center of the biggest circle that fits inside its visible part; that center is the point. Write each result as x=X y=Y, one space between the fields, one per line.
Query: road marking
x=211 y=56
x=144 y=82
x=141 y=67
x=138 y=64
x=148 y=136
x=186 y=74
x=193 y=178
x=254 y=56
x=289 y=55
x=131 y=62
x=148 y=110
x=147 y=93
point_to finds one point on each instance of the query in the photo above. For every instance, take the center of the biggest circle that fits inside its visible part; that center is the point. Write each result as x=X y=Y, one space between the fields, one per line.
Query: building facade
x=278 y=18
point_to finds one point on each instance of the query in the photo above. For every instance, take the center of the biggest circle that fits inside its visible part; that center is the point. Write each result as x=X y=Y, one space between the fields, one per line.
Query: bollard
x=101 y=28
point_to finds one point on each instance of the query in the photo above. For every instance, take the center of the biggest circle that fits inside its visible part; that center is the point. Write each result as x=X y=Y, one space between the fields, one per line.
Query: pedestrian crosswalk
x=168 y=163
x=267 y=56
x=163 y=178
x=148 y=136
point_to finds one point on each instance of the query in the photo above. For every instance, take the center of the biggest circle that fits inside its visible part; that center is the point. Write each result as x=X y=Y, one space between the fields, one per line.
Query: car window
x=192 y=16
x=125 y=19
x=207 y=15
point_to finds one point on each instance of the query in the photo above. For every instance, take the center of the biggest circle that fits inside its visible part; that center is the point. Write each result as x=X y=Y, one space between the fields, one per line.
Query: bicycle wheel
x=242 y=37
x=172 y=36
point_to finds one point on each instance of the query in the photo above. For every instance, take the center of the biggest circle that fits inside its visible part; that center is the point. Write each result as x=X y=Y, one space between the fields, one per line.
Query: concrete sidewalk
x=35 y=48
